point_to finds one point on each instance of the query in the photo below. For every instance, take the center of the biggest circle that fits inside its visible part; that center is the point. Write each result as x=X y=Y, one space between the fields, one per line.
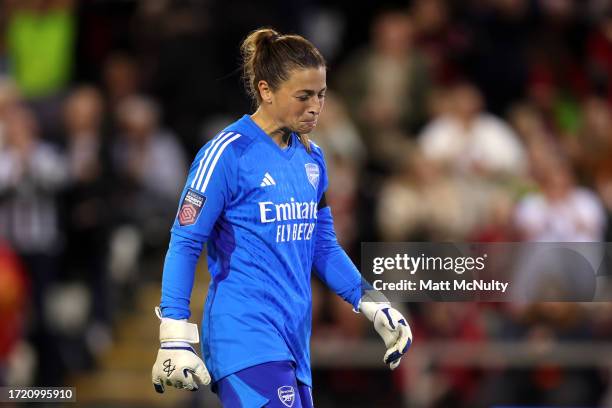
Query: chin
x=304 y=128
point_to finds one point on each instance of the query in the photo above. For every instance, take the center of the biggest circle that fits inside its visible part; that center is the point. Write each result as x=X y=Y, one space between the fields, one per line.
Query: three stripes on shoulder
x=210 y=159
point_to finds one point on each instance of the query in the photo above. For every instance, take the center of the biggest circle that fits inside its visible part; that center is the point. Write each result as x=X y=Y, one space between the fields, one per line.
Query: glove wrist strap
x=178 y=330
x=175 y=344
x=371 y=302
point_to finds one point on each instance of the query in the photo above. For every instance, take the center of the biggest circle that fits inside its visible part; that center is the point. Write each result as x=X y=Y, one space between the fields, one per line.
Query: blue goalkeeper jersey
x=258 y=208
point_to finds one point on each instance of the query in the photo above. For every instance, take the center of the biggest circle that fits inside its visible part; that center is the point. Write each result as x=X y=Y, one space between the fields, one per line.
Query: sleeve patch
x=190 y=208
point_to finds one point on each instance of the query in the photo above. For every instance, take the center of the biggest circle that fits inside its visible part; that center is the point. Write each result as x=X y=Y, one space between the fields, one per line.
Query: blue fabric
x=332 y=264
x=255 y=206
x=273 y=385
x=235 y=393
x=177 y=281
x=305 y=396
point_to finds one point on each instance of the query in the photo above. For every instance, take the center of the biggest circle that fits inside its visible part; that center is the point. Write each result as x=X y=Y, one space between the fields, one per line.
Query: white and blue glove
x=391 y=326
x=177 y=363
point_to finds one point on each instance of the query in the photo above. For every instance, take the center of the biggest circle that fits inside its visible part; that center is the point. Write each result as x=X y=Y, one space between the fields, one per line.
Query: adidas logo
x=267 y=181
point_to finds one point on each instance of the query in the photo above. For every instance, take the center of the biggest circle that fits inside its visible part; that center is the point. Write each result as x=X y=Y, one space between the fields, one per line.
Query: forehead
x=313 y=79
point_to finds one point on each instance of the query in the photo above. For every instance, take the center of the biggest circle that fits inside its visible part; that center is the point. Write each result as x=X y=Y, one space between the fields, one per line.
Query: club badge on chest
x=312 y=172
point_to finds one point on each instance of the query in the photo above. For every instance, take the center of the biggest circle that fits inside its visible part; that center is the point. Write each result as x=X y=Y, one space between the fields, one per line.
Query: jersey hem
x=305 y=381
x=253 y=362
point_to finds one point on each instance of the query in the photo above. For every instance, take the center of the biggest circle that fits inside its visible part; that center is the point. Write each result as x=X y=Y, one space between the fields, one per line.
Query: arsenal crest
x=312 y=172
x=286 y=395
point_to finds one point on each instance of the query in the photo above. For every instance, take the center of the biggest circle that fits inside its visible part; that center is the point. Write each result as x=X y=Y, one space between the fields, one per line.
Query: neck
x=271 y=127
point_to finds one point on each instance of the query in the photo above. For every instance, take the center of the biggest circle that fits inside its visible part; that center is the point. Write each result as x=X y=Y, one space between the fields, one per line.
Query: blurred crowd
x=446 y=120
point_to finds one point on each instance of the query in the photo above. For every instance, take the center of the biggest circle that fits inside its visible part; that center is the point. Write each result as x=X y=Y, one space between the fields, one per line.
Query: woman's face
x=298 y=101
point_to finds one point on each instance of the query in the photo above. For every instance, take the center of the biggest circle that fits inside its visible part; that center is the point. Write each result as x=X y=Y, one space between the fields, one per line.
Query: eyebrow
x=310 y=91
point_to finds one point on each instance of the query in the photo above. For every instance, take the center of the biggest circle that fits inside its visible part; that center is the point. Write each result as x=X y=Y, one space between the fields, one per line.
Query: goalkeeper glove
x=177 y=363
x=391 y=326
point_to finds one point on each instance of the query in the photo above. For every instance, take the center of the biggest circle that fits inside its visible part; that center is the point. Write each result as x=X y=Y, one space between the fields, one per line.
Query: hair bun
x=256 y=40
x=267 y=35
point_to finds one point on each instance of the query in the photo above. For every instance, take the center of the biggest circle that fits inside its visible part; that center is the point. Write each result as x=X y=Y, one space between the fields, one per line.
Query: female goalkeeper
x=255 y=195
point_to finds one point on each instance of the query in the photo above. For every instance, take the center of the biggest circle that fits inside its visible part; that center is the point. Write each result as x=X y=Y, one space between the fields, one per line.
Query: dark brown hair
x=270 y=56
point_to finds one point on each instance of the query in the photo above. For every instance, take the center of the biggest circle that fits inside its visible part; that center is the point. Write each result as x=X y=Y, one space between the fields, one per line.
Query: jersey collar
x=286 y=153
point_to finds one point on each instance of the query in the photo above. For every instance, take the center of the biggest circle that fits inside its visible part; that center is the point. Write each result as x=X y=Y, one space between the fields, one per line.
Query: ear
x=264 y=92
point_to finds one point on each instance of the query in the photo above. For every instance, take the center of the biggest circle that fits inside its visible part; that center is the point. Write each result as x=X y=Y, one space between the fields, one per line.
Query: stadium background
x=483 y=120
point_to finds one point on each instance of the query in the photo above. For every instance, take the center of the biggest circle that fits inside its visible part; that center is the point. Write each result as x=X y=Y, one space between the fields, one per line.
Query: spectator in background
x=13 y=302
x=337 y=134
x=180 y=54
x=88 y=215
x=120 y=81
x=385 y=86
x=540 y=142
x=556 y=47
x=591 y=148
x=599 y=55
x=440 y=38
x=496 y=224
x=421 y=203
x=496 y=58
x=40 y=37
x=120 y=78
x=549 y=94
x=32 y=173
x=9 y=97
x=151 y=167
x=83 y=112
x=530 y=125
x=470 y=141
x=560 y=211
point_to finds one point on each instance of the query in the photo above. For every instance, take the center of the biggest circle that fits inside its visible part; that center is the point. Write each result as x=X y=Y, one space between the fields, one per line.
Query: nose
x=315 y=107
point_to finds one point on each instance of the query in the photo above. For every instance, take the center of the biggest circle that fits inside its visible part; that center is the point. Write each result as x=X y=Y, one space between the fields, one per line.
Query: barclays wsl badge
x=286 y=395
x=190 y=208
x=312 y=171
